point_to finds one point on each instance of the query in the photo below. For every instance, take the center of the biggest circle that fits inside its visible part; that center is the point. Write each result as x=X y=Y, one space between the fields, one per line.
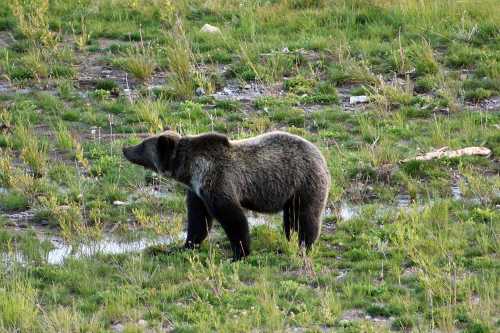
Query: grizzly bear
x=269 y=173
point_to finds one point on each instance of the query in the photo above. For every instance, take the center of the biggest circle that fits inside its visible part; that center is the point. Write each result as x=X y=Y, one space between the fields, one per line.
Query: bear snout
x=125 y=151
x=128 y=153
x=137 y=155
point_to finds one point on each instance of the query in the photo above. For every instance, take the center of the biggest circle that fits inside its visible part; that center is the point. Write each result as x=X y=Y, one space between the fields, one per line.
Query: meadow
x=89 y=242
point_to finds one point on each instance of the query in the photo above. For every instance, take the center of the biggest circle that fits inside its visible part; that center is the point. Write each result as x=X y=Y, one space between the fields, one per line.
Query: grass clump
x=185 y=77
x=462 y=56
x=140 y=66
x=13 y=201
x=61 y=71
x=108 y=85
x=33 y=20
x=140 y=61
x=151 y=114
x=299 y=85
x=18 y=308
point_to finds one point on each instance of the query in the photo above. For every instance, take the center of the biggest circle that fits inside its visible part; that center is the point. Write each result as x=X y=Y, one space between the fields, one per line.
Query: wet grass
x=420 y=252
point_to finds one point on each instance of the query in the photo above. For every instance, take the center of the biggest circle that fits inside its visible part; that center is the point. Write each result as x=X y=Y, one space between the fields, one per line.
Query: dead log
x=445 y=152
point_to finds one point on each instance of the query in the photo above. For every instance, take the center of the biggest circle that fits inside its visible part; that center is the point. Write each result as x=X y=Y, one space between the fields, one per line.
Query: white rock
x=118 y=328
x=358 y=99
x=344 y=322
x=210 y=29
x=119 y=203
x=199 y=91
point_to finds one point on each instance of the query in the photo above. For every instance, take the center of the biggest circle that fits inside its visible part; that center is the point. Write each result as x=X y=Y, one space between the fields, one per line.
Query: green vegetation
x=79 y=80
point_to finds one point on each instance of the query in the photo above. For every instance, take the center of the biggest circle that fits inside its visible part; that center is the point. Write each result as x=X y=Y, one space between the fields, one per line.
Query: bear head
x=154 y=153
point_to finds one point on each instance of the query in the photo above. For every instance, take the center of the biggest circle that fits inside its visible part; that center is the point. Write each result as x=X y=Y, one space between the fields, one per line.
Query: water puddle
x=5 y=86
x=255 y=220
x=348 y=211
x=155 y=192
x=403 y=200
x=18 y=217
x=109 y=244
x=456 y=192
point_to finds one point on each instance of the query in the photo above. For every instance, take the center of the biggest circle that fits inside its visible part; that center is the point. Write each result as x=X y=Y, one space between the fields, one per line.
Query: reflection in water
x=109 y=244
x=403 y=200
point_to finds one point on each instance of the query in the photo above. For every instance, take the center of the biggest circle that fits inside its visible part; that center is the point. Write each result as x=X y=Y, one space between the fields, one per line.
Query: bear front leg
x=234 y=222
x=199 y=221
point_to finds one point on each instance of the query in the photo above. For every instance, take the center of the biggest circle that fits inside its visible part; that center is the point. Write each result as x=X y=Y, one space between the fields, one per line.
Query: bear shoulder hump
x=213 y=140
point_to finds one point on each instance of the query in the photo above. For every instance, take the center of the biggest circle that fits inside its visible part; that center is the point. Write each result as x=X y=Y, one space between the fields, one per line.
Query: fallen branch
x=444 y=152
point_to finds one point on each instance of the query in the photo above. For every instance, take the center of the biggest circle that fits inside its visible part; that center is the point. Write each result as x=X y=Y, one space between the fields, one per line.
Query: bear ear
x=165 y=143
x=165 y=147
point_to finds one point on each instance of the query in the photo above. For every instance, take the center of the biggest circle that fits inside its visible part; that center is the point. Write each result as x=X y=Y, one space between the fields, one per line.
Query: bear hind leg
x=291 y=216
x=309 y=220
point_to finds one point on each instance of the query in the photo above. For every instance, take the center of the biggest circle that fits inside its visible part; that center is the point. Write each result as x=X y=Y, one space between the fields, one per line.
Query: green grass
x=81 y=81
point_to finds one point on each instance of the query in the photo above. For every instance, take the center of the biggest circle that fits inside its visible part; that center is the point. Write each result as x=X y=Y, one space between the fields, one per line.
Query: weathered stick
x=444 y=152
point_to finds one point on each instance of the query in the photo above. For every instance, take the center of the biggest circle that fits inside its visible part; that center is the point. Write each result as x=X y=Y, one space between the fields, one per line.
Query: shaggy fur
x=269 y=173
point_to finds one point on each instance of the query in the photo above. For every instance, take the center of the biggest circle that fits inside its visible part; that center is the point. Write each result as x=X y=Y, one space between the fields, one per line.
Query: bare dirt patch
x=6 y=39
x=234 y=91
x=93 y=69
x=356 y=315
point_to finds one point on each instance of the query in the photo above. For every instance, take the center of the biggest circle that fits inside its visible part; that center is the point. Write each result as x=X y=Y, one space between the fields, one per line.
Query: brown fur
x=269 y=173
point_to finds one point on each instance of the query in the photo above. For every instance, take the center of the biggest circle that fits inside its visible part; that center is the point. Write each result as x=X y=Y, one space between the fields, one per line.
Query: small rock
x=22 y=225
x=341 y=276
x=358 y=99
x=285 y=50
x=344 y=322
x=119 y=203
x=199 y=91
x=142 y=322
x=247 y=86
x=44 y=223
x=153 y=87
x=210 y=29
x=118 y=328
